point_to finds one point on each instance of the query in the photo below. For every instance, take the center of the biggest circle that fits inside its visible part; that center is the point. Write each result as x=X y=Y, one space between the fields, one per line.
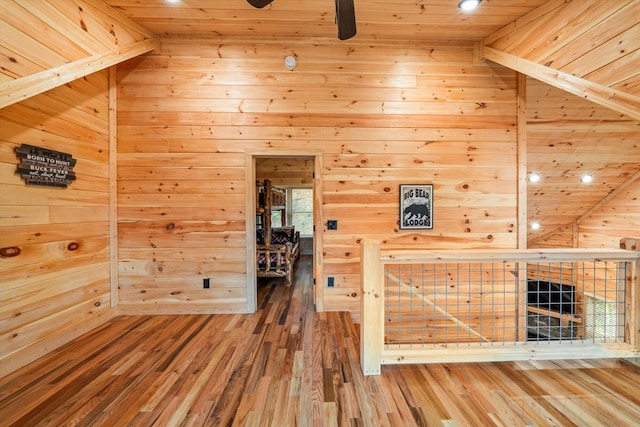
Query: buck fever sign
x=416 y=206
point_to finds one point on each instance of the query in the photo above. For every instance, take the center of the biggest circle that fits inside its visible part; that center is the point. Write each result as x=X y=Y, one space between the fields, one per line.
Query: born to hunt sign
x=416 y=206
x=39 y=166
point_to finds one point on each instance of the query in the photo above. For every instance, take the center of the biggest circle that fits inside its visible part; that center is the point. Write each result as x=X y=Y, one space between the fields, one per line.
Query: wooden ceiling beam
x=613 y=99
x=25 y=87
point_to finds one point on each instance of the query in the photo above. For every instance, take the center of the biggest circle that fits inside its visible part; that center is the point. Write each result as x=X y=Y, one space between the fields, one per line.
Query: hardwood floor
x=286 y=365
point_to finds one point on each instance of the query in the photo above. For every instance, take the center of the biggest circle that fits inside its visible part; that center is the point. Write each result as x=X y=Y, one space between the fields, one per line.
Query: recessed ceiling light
x=468 y=5
x=586 y=179
x=535 y=226
x=534 y=177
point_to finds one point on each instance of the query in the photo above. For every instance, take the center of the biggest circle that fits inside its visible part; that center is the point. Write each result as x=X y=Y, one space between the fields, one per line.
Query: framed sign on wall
x=416 y=206
x=41 y=166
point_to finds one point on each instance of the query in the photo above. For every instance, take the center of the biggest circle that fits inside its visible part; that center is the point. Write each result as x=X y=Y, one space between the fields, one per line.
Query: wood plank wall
x=58 y=287
x=286 y=171
x=381 y=116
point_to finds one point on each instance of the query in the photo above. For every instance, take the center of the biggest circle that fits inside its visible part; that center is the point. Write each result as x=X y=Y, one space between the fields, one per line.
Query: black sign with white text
x=41 y=166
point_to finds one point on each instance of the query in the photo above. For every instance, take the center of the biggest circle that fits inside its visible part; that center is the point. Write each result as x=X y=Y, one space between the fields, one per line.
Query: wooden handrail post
x=371 y=309
x=632 y=309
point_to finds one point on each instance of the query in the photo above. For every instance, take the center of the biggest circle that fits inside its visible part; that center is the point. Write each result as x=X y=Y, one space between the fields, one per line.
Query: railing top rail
x=398 y=256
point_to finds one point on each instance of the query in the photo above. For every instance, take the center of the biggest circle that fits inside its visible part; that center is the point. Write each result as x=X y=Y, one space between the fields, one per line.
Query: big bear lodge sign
x=416 y=206
x=40 y=166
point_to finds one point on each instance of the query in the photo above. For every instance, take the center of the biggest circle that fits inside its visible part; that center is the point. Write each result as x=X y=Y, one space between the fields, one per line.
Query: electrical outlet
x=330 y=282
x=206 y=283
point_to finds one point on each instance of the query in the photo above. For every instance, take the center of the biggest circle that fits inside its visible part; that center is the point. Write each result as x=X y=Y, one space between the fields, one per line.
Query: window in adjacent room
x=301 y=210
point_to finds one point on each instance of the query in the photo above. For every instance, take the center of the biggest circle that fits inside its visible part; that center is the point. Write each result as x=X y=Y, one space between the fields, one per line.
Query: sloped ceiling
x=588 y=48
x=47 y=44
x=595 y=40
x=569 y=137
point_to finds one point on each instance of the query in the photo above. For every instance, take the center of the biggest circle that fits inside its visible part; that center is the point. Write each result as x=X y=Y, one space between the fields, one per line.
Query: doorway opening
x=297 y=176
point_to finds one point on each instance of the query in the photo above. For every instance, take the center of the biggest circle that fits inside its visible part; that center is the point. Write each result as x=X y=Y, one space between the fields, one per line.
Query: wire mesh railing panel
x=492 y=303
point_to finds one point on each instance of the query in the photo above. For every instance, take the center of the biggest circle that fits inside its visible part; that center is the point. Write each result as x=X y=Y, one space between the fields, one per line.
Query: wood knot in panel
x=9 y=252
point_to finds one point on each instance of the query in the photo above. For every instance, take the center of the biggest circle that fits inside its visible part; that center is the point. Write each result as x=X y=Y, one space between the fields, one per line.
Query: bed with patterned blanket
x=278 y=258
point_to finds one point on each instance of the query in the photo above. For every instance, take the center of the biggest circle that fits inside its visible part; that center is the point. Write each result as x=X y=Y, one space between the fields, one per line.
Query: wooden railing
x=422 y=306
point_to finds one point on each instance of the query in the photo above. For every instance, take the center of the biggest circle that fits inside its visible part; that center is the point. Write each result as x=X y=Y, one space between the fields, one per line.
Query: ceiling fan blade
x=259 y=3
x=346 y=19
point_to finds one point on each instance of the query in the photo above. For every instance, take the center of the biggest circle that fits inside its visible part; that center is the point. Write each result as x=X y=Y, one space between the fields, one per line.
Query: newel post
x=632 y=310
x=371 y=308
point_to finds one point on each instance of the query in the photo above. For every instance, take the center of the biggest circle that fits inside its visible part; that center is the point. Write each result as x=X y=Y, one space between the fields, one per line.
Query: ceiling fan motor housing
x=345 y=16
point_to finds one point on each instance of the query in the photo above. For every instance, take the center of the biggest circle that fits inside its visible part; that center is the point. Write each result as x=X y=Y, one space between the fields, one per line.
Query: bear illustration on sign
x=416 y=211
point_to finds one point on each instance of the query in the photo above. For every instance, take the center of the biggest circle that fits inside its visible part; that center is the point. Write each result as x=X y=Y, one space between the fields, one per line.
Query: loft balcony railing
x=423 y=306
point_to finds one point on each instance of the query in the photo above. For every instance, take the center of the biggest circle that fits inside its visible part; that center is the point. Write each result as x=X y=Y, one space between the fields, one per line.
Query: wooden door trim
x=250 y=220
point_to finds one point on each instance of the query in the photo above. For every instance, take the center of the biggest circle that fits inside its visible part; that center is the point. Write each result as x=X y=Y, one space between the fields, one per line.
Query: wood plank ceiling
x=377 y=20
x=44 y=44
